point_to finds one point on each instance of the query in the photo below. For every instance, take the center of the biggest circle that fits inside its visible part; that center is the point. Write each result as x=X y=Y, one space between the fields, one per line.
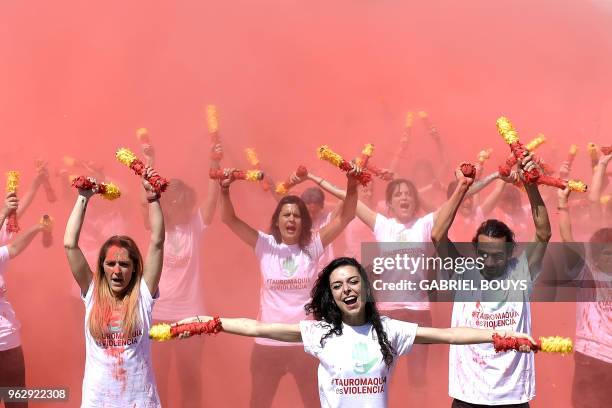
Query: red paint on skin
x=115 y=252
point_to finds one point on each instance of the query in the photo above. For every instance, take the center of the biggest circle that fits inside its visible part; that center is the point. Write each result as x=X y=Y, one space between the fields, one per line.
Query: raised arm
x=463 y=335
x=22 y=240
x=254 y=328
x=346 y=214
x=212 y=197
x=243 y=230
x=28 y=197
x=489 y=203
x=447 y=212
x=76 y=260
x=11 y=203
x=363 y=212
x=574 y=252
x=155 y=256
x=599 y=175
x=446 y=215
x=565 y=225
x=535 y=252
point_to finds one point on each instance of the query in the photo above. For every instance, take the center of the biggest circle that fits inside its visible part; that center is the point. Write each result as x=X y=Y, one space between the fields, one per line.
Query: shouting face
x=290 y=223
x=118 y=269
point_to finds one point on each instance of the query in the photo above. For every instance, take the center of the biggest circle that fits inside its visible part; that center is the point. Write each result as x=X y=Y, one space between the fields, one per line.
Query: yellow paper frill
x=212 y=119
x=111 y=191
x=506 y=130
x=536 y=142
x=160 y=332
x=327 y=154
x=125 y=156
x=12 y=181
x=254 y=175
x=556 y=344
x=576 y=185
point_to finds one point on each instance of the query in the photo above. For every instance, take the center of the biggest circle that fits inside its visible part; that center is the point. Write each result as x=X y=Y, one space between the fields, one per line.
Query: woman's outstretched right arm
x=78 y=264
x=253 y=328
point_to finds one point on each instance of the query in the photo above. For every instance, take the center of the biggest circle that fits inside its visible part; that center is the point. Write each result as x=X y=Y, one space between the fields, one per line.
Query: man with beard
x=478 y=376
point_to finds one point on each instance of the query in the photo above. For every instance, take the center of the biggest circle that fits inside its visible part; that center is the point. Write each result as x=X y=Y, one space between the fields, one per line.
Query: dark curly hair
x=496 y=229
x=324 y=308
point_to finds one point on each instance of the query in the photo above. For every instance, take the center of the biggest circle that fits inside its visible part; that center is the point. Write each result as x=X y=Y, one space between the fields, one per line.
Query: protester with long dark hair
x=357 y=348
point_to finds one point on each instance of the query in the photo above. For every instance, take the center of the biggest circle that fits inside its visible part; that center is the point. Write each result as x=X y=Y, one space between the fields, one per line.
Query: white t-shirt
x=352 y=372
x=477 y=374
x=9 y=325
x=179 y=286
x=594 y=318
x=389 y=230
x=288 y=274
x=118 y=371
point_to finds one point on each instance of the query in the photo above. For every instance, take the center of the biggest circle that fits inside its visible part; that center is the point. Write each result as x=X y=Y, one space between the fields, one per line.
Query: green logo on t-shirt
x=289 y=267
x=402 y=236
x=363 y=358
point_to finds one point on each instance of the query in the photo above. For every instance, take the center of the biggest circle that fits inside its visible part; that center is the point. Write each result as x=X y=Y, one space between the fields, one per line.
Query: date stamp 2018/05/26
x=23 y=394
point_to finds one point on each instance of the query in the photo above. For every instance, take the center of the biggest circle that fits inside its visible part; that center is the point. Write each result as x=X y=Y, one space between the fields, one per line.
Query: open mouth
x=350 y=300
x=291 y=229
x=404 y=206
x=116 y=280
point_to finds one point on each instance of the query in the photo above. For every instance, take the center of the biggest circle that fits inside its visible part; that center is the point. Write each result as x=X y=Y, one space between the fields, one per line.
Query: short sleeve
x=89 y=295
x=145 y=294
x=263 y=245
x=312 y=331
x=401 y=335
x=4 y=256
x=381 y=227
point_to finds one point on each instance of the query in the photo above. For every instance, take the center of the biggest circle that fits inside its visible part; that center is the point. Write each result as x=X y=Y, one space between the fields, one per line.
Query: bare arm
x=346 y=215
x=22 y=240
x=478 y=185
x=363 y=212
x=401 y=153
x=243 y=230
x=11 y=203
x=446 y=214
x=489 y=203
x=254 y=328
x=573 y=252
x=212 y=197
x=535 y=252
x=462 y=335
x=599 y=176
x=76 y=260
x=155 y=256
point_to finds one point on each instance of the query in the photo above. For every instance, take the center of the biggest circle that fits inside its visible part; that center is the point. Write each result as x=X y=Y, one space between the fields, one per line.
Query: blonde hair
x=104 y=302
